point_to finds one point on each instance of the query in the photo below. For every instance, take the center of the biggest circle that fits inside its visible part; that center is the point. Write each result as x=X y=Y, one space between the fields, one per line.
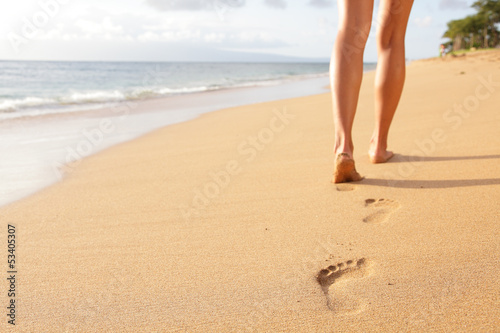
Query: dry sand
x=127 y=243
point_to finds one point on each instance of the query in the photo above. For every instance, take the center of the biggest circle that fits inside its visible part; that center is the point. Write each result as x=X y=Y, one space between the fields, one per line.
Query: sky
x=200 y=30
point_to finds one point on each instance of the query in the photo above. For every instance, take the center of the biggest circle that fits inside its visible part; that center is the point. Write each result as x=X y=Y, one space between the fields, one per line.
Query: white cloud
x=126 y=29
x=453 y=4
x=194 y=5
x=171 y=36
x=252 y=36
x=163 y=5
x=247 y=39
x=321 y=3
x=88 y=27
x=198 y=5
x=106 y=27
x=149 y=36
x=215 y=38
x=281 y=4
x=109 y=27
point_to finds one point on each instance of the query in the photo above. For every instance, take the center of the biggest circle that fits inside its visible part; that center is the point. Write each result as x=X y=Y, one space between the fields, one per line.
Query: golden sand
x=228 y=222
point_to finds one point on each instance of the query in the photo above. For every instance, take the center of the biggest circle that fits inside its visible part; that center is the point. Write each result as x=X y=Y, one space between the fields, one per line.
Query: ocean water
x=34 y=146
x=34 y=88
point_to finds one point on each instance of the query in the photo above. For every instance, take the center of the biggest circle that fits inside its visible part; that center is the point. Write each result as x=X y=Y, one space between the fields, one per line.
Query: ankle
x=346 y=153
x=343 y=148
x=377 y=144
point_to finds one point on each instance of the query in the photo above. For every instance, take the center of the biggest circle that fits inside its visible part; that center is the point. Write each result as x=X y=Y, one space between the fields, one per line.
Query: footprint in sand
x=345 y=187
x=332 y=280
x=383 y=208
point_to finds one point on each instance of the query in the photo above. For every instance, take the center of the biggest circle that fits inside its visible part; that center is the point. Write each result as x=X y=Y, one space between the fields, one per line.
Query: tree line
x=478 y=30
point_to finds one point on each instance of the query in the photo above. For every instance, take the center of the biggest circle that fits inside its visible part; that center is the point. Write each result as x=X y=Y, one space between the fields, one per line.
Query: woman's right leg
x=346 y=72
x=390 y=77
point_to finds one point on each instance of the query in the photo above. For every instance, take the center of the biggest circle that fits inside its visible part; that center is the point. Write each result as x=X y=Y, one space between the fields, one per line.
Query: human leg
x=346 y=72
x=390 y=76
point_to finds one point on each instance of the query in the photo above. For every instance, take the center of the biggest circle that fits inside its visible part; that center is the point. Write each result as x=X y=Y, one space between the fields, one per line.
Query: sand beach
x=229 y=222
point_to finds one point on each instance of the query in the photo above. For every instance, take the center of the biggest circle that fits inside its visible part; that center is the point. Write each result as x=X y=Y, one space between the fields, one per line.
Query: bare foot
x=380 y=157
x=345 y=170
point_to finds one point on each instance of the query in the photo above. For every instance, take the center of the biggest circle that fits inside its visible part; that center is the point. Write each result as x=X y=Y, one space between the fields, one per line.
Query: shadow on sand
x=401 y=183
x=399 y=158
x=449 y=183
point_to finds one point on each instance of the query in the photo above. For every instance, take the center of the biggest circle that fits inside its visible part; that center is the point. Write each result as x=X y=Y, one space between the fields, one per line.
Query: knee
x=389 y=36
x=392 y=27
x=354 y=36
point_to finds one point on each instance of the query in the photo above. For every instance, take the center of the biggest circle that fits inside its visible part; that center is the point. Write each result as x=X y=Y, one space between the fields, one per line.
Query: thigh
x=356 y=14
x=394 y=14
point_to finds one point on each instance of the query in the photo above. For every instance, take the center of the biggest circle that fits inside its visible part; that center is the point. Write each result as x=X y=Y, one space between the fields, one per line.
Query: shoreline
x=95 y=107
x=77 y=85
x=82 y=129
x=410 y=248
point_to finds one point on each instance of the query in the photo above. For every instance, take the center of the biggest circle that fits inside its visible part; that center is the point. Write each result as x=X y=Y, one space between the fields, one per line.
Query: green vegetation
x=476 y=31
